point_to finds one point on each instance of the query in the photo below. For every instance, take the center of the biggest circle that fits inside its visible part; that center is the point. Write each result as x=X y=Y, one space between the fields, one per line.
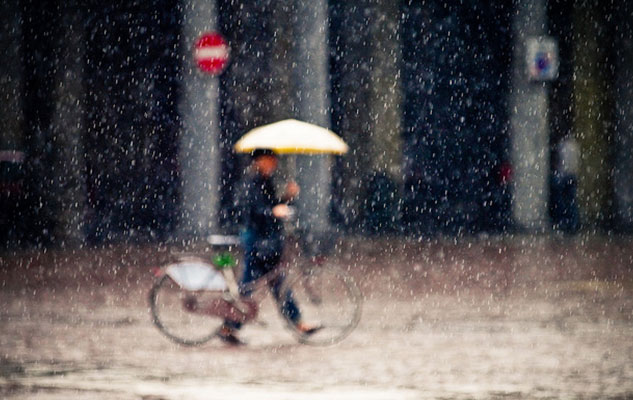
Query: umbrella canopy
x=291 y=136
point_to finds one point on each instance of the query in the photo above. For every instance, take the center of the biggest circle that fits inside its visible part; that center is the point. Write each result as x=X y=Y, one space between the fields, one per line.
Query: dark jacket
x=263 y=232
x=260 y=200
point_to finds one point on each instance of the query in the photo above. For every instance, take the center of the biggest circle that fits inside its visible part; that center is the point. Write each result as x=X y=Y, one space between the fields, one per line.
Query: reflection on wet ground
x=511 y=318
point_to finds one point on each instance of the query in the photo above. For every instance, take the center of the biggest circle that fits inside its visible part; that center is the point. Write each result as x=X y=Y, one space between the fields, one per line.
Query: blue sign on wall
x=542 y=58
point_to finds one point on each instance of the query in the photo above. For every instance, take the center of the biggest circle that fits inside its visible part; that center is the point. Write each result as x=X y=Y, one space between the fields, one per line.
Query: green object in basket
x=224 y=260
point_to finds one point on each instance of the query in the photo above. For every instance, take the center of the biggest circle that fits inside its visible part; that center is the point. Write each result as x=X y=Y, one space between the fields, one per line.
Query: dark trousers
x=254 y=270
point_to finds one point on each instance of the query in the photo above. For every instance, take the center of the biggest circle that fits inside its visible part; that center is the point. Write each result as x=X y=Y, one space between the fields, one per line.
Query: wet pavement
x=475 y=318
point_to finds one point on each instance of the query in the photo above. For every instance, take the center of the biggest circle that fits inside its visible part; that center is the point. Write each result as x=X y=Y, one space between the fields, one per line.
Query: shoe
x=308 y=330
x=227 y=335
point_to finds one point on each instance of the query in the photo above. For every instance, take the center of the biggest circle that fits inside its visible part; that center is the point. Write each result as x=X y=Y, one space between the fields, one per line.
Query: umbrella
x=292 y=136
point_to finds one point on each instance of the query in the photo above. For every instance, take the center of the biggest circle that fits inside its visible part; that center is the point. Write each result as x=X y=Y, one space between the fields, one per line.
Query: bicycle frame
x=238 y=304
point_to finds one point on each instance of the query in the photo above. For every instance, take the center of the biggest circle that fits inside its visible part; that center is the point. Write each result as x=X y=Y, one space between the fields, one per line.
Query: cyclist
x=263 y=237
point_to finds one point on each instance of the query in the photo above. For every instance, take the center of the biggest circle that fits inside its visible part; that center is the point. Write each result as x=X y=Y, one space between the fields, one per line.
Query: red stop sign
x=211 y=53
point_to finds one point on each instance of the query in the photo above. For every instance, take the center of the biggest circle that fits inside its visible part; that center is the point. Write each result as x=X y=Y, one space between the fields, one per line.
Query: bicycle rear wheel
x=327 y=299
x=178 y=313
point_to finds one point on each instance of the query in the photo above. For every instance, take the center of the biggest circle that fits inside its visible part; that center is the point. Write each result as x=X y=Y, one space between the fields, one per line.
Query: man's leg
x=252 y=271
x=290 y=310
x=287 y=305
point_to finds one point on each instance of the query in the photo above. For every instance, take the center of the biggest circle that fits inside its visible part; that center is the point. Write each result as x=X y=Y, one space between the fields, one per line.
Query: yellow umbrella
x=292 y=137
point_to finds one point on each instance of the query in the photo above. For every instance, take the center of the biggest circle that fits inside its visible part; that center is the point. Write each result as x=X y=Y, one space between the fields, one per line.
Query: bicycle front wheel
x=179 y=313
x=328 y=300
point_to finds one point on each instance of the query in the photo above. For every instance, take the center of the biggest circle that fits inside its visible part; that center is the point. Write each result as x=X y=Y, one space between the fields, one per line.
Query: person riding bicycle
x=263 y=237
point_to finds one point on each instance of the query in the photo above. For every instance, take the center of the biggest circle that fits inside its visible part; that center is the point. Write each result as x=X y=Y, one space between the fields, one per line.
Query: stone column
x=11 y=118
x=352 y=105
x=591 y=110
x=67 y=126
x=623 y=147
x=310 y=75
x=529 y=123
x=386 y=95
x=199 y=149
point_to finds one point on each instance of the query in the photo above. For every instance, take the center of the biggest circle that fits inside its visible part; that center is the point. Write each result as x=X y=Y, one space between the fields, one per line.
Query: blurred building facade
x=448 y=135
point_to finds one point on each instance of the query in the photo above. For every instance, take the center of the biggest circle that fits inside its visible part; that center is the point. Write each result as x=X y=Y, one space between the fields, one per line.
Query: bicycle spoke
x=327 y=299
x=181 y=315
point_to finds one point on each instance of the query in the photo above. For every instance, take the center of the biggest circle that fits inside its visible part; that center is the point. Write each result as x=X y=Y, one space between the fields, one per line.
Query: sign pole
x=199 y=146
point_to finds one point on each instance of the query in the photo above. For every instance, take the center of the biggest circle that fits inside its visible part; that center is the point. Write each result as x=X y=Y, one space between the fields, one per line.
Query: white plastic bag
x=196 y=275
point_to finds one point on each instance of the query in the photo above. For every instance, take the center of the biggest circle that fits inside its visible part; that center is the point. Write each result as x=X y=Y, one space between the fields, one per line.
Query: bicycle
x=192 y=296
